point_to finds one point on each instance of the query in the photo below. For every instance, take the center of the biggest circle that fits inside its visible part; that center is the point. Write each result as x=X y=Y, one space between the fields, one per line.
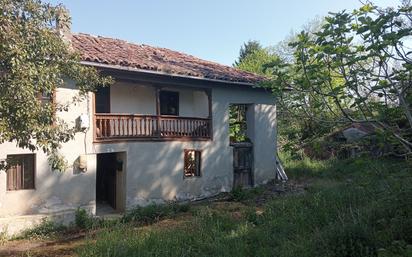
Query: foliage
x=238 y=123
x=34 y=60
x=152 y=213
x=257 y=60
x=240 y=194
x=355 y=69
x=3 y=237
x=356 y=207
x=248 y=48
x=46 y=229
x=83 y=220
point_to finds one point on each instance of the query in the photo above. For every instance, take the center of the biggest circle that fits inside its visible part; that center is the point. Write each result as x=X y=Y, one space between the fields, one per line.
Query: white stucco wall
x=55 y=192
x=141 y=99
x=154 y=170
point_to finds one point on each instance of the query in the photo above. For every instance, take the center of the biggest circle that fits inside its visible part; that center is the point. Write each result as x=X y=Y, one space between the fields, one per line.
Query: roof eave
x=123 y=68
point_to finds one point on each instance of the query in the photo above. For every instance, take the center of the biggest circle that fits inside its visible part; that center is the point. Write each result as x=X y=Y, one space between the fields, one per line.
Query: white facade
x=152 y=171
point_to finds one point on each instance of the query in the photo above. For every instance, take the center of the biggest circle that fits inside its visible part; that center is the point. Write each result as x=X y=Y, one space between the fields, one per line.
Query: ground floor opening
x=110 y=183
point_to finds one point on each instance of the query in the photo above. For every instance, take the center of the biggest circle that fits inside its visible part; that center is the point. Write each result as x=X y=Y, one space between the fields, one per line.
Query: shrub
x=45 y=229
x=83 y=220
x=238 y=194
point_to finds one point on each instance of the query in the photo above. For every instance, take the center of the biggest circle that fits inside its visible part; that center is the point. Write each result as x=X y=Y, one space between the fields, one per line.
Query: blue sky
x=210 y=29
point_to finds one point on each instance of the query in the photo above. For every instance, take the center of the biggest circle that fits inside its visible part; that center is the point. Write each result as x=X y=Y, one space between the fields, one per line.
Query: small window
x=20 y=174
x=169 y=103
x=46 y=98
x=192 y=163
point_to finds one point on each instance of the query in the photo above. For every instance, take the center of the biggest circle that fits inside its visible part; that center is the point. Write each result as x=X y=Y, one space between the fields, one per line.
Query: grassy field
x=348 y=208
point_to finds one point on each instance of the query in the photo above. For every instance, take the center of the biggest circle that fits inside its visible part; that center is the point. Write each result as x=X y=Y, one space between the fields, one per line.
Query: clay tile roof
x=109 y=51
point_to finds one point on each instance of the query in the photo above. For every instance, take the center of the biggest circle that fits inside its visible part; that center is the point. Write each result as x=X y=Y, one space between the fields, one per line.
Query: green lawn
x=350 y=208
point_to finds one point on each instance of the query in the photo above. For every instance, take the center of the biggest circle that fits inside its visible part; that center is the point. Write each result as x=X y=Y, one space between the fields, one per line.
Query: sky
x=209 y=29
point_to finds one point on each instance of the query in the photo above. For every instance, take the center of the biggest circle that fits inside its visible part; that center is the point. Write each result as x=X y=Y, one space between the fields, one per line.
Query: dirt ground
x=36 y=247
x=66 y=244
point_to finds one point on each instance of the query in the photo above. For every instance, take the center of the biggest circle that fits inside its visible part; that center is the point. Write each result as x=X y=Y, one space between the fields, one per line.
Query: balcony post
x=209 y=100
x=158 y=111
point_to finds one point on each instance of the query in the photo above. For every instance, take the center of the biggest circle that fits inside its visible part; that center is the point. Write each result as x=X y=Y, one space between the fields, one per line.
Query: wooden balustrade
x=109 y=127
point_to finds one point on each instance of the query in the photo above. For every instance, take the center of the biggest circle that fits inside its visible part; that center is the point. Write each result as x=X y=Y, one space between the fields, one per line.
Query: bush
x=238 y=194
x=83 y=220
x=45 y=229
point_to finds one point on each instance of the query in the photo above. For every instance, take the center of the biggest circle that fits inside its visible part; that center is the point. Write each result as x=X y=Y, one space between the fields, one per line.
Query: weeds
x=355 y=207
x=3 y=237
x=153 y=213
x=240 y=194
x=46 y=229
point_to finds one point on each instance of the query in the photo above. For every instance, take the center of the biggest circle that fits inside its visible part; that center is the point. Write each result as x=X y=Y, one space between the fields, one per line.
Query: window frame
x=177 y=94
x=199 y=169
x=51 y=100
x=33 y=156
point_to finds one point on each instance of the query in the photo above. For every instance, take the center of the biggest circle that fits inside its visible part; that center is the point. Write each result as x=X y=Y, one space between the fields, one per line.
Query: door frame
x=251 y=173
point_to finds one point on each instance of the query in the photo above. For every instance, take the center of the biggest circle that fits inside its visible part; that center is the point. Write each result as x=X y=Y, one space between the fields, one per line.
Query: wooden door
x=242 y=164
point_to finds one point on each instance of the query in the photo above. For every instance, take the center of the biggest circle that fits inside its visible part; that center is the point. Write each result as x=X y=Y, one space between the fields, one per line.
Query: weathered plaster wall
x=55 y=192
x=155 y=169
x=141 y=99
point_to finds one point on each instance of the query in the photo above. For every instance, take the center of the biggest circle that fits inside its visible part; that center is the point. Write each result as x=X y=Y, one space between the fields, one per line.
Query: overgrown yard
x=355 y=207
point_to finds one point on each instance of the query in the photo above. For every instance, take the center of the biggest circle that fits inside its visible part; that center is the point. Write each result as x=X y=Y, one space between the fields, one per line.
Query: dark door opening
x=106 y=179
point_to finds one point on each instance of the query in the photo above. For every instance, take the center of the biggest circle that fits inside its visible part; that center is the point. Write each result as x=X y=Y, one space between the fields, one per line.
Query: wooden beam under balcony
x=110 y=127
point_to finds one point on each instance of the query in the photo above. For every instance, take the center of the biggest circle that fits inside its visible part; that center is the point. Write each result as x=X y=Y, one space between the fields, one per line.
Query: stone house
x=159 y=133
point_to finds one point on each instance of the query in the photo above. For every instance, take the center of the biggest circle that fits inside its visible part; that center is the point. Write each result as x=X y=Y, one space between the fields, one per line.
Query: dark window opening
x=20 y=174
x=102 y=100
x=238 y=123
x=169 y=103
x=45 y=98
x=192 y=161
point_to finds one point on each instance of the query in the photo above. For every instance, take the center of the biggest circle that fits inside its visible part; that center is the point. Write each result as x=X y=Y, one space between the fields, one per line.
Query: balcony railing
x=112 y=127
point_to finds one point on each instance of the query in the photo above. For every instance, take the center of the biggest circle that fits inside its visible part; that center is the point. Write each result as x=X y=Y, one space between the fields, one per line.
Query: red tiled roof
x=109 y=51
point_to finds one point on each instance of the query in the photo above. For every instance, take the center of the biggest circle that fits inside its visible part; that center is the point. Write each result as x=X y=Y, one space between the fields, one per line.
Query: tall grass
x=352 y=208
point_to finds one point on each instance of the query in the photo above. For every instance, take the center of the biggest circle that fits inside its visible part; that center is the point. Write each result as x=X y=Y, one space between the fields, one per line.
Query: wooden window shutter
x=20 y=174
x=11 y=178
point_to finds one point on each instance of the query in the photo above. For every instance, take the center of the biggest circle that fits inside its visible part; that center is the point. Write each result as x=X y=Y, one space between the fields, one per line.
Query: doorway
x=241 y=136
x=110 y=182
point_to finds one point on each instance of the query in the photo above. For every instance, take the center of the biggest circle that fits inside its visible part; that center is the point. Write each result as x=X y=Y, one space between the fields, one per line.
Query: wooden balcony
x=124 y=127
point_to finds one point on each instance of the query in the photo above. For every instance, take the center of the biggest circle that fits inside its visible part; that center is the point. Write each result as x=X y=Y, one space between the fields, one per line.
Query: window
x=102 y=100
x=192 y=163
x=20 y=174
x=238 y=123
x=169 y=103
x=45 y=98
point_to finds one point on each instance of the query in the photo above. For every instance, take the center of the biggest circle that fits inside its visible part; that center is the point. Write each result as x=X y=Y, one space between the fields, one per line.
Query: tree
x=355 y=69
x=34 y=60
x=257 y=61
x=248 y=48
